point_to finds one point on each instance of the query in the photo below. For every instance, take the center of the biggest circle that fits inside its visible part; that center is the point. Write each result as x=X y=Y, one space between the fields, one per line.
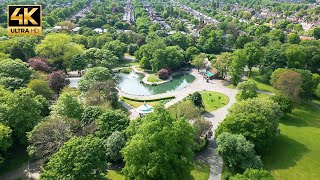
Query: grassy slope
x=201 y=171
x=212 y=102
x=296 y=152
x=261 y=86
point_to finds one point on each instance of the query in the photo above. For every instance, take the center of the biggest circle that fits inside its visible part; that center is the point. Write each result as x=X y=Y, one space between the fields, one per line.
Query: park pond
x=131 y=84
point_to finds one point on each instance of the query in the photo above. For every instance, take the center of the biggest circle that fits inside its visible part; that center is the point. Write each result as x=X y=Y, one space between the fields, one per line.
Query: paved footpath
x=209 y=155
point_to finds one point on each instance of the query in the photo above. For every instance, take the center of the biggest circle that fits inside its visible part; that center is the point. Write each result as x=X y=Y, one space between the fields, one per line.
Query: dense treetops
x=156 y=136
x=257 y=120
x=80 y=131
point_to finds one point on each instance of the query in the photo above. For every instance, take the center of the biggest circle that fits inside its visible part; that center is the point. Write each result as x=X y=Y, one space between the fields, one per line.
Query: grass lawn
x=201 y=171
x=265 y=87
x=263 y=96
x=154 y=78
x=115 y=175
x=213 y=100
x=296 y=152
x=255 y=76
x=317 y=102
x=126 y=63
x=136 y=104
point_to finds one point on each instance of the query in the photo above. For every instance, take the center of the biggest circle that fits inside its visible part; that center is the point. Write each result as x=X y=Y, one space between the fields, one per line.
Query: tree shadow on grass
x=200 y=171
x=285 y=153
x=303 y=116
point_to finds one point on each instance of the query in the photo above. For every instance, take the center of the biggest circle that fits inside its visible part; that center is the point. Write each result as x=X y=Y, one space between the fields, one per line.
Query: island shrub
x=163 y=74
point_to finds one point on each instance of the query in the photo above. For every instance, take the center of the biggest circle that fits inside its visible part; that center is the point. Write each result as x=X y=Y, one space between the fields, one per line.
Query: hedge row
x=148 y=100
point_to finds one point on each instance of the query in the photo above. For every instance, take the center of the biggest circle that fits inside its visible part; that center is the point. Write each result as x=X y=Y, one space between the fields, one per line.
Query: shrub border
x=148 y=100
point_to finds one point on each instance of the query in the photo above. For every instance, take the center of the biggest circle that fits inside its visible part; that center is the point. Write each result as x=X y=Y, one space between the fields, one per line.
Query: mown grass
x=136 y=104
x=200 y=171
x=154 y=78
x=262 y=86
x=295 y=153
x=213 y=100
x=115 y=175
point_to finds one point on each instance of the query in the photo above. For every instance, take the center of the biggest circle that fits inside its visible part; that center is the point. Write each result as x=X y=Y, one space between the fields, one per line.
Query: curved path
x=209 y=155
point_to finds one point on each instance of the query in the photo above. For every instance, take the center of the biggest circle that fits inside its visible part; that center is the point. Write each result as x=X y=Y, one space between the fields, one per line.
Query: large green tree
x=115 y=143
x=68 y=105
x=237 y=152
x=117 y=48
x=5 y=139
x=257 y=120
x=171 y=56
x=21 y=111
x=59 y=49
x=253 y=54
x=96 y=74
x=198 y=60
x=14 y=73
x=48 y=136
x=79 y=158
x=160 y=148
x=111 y=121
x=248 y=89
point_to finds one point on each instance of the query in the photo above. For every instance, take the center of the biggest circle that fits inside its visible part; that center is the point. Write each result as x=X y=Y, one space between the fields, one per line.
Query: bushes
x=115 y=142
x=253 y=174
x=286 y=104
x=197 y=99
x=126 y=70
x=148 y=100
x=39 y=64
x=57 y=80
x=318 y=91
x=185 y=109
x=163 y=74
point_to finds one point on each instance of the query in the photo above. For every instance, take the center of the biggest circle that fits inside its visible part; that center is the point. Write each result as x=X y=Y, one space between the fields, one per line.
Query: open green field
x=296 y=152
x=255 y=76
x=154 y=78
x=213 y=100
x=200 y=171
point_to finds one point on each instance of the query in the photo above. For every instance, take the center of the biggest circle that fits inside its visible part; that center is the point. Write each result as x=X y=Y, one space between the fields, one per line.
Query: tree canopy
x=159 y=135
x=79 y=158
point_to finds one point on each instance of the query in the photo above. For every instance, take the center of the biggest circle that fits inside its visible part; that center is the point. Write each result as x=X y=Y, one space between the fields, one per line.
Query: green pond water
x=130 y=84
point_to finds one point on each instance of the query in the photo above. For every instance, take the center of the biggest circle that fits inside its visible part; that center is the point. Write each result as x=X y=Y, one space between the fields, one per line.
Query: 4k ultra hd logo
x=24 y=20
